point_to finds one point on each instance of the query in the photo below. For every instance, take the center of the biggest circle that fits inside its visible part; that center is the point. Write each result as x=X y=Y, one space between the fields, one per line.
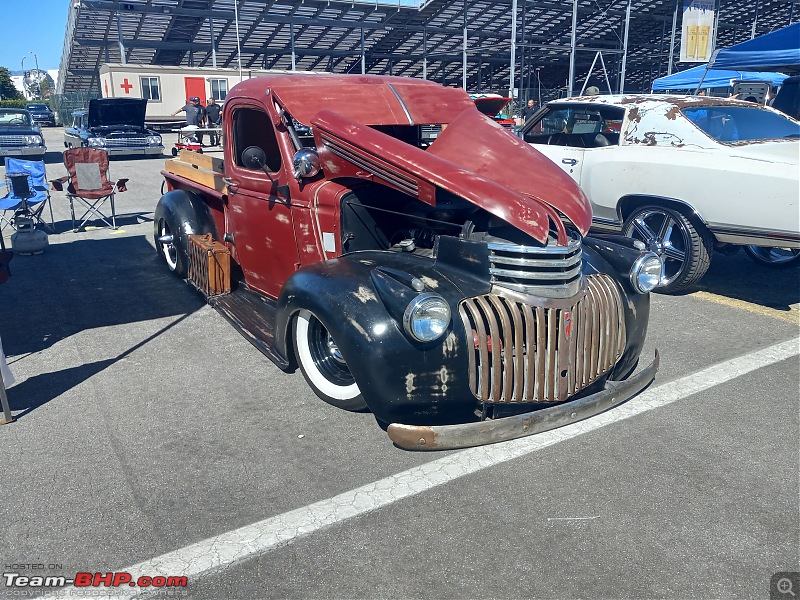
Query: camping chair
x=27 y=193
x=88 y=183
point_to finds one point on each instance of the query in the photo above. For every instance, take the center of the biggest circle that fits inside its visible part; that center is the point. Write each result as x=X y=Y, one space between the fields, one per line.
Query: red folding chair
x=89 y=183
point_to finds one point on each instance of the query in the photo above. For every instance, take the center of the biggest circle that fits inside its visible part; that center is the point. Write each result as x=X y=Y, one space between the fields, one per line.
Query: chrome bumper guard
x=449 y=437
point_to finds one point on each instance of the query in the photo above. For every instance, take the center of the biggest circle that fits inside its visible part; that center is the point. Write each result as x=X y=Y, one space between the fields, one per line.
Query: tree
x=7 y=89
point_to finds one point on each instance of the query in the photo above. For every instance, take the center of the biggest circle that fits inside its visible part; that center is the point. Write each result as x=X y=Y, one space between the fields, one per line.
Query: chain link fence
x=65 y=104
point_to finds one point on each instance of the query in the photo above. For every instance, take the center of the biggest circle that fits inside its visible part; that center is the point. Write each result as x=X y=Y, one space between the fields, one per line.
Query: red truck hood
x=473 y=158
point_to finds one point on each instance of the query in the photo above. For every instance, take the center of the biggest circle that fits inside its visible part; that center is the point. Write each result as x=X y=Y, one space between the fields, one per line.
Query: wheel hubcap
x=326 y=355
x=665 y=236
x=168 y=247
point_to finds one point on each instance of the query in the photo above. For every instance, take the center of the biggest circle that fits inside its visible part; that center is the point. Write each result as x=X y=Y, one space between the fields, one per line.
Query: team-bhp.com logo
x=86 y=580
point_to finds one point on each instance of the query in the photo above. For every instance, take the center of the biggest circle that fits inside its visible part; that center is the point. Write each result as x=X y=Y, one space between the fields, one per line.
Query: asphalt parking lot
x=152 y=438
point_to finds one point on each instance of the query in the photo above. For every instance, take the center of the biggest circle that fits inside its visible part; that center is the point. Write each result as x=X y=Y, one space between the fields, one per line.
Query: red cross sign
x=126 y=86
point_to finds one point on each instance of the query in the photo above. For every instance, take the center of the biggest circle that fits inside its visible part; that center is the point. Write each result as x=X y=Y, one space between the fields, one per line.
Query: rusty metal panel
x=529 y=347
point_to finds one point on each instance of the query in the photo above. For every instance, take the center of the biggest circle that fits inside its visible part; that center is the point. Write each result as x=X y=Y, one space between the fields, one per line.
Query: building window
x=150 y=88
x=219 y=89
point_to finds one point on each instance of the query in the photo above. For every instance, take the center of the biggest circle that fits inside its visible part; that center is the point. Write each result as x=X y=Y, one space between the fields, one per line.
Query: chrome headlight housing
x=426 y=317
x=95 y=142
x=646 y=272
x=33 y=140
x=153 y=140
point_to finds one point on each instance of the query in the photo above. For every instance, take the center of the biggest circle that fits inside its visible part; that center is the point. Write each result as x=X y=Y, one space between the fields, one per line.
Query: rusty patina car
x=682 y=174
x=445 y=283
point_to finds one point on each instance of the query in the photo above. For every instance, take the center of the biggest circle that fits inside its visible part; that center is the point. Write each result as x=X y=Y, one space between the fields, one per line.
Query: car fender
x=361 y=307
x=628 y=202
x=187 y=213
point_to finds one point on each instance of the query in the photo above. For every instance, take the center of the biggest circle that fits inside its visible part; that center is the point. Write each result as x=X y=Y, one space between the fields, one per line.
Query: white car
x=683 y=174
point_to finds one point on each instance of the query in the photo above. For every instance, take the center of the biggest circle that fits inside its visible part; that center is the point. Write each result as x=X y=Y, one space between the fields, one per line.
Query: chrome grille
x=12 y=140
x=131 y=142
x=527 y=353
x=551 y=271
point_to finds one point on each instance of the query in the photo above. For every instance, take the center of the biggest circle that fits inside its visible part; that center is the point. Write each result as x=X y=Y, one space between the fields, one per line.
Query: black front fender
x=187 y=214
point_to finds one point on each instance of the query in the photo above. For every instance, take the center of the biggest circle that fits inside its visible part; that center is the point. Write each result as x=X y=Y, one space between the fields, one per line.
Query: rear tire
x=323 y=365
x=175 y=256
x=774 y=258
x=684 y=247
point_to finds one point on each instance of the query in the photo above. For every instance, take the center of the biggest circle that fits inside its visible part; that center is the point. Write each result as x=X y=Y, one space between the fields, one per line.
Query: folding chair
x=28 y=193
x=89 y=184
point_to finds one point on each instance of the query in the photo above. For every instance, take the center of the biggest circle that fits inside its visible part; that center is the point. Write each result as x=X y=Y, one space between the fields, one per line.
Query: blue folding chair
x=28 y=193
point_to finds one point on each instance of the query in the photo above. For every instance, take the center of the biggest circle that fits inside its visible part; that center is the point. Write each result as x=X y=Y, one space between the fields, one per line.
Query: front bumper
x=147 y=151
x=23 y=151
x=448 y=437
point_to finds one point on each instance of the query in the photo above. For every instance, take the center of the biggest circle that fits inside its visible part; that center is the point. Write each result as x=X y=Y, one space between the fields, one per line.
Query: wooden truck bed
x=203 y=169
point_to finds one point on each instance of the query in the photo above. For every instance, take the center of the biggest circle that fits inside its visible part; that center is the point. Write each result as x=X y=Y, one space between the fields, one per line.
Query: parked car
x=787 y=100
x=682 y=174
x=41 y=113
x=115 y=125
x=19 y=135
x=433 y=282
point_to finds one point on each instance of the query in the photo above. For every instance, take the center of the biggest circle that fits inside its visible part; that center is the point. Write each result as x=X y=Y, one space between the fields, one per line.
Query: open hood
x=117 y=111
x=473 y=158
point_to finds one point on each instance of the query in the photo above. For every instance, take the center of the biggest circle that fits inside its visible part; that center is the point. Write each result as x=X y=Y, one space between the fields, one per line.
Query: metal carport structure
x=466 y=43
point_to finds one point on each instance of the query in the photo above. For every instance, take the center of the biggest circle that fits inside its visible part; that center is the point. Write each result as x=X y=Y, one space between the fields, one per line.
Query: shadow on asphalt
x=739 y=277
x=78 y=286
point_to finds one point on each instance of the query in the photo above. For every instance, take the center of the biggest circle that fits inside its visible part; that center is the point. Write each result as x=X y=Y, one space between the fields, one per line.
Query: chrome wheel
x=778 y=258
x=684 y=247
x=167 y=244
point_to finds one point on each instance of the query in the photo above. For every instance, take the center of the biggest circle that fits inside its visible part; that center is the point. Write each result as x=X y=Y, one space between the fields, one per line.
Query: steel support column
x=291 y=43
x=513 y=48
x=625 y=48
x=672 y=38
x=573 y=42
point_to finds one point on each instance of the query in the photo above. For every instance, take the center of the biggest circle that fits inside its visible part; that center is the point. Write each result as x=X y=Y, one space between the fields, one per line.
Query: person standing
x=195 y=114
x=528 y=110
x=213 y=119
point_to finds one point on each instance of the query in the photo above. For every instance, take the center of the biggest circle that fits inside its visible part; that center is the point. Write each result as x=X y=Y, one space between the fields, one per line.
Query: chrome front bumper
x=448 y=437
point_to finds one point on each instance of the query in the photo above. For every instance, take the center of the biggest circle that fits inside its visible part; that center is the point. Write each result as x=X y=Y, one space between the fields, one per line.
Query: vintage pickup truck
x=411 y=257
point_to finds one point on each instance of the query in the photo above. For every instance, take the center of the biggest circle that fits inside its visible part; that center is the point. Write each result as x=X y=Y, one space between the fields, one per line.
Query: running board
x=253 y=316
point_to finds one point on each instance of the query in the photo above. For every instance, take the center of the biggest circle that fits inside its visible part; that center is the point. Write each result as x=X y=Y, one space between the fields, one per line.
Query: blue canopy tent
x=689 y=79
x=775 y=51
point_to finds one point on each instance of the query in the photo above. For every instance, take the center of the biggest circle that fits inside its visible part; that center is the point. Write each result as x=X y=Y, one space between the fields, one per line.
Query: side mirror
x=254 y=157
x=306 y=163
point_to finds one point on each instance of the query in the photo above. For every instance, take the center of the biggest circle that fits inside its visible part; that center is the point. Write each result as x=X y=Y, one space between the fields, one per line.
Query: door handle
x=569 y=161
x=232 y=184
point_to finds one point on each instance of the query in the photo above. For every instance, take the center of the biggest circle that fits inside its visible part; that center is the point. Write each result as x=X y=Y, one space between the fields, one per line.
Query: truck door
x=258 y=216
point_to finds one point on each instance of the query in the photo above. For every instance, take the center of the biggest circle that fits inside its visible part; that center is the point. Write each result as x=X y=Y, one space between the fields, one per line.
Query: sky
x=32 y=26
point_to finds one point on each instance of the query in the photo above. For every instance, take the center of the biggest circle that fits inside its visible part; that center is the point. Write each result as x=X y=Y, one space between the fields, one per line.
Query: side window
x=150 y=88
x=252 y=127
x=219 y=89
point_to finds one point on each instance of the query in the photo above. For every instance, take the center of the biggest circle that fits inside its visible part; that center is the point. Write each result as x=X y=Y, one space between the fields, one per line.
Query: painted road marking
x=235 y=546
x=792 y=315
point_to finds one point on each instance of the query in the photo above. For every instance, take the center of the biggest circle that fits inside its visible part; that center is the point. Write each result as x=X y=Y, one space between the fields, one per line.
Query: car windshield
x=14 y=117
x=741 y=123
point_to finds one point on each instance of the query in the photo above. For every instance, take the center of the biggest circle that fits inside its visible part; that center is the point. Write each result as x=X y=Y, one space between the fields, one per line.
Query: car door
x=259 y=213
x=580 y=138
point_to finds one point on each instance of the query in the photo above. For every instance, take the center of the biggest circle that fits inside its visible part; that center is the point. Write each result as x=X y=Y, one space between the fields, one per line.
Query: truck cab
x=411 y=257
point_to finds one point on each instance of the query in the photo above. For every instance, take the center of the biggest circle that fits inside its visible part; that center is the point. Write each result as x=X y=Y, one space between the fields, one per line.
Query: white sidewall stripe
x=238 y=545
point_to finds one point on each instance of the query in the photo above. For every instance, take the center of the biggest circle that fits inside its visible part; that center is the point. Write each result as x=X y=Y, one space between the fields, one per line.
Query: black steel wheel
x=322 y=364
x=684 y=246
x=175 y=256
x=174 y=152
x=775 y=258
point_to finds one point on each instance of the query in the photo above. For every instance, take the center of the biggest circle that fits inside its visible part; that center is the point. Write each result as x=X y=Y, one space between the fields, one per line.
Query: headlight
x=33 y=140
x=646 y=272
x=153 y=140
x=96 y=142
x=426 y=317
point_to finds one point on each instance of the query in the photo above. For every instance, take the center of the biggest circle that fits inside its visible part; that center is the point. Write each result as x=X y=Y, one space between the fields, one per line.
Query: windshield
x=741 y=123
x=14 y=117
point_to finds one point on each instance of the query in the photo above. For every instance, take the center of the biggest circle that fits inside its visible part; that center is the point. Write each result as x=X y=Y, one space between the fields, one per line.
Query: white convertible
x=683 y=174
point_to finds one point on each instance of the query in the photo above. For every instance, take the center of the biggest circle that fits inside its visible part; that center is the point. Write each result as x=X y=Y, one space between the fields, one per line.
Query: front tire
x=775 y=258
x=684 y=247
x=323 y=365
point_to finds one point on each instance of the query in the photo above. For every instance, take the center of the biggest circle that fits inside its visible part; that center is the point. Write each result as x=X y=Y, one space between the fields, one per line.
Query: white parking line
x=228 y=548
